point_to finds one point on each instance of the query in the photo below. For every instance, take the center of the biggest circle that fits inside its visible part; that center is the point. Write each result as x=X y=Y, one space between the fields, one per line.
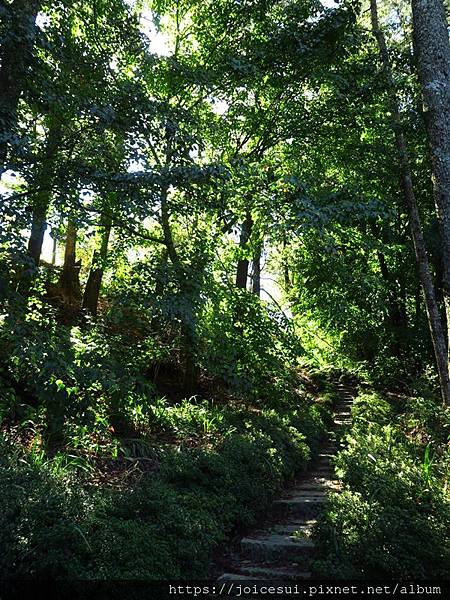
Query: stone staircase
x=282 y=550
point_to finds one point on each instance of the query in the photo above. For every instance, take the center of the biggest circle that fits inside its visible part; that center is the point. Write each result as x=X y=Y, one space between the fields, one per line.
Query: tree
x=434 y=318
x=432 y=50
x=69 y=281
x=44 y=182
x=94 y=282
x=16 y=49
x=243 y=262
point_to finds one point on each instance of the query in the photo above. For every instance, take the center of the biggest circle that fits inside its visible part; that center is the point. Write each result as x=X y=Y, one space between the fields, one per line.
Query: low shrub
x=393 y=517
x=165 y=524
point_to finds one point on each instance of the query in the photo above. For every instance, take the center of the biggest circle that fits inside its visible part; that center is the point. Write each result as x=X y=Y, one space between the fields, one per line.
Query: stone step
x=302 y=505
x=322 y=466
x=236 y=577
x=320 y=486
x=324 y=470
x=275 y=573
x=298 y=491
x=322 y=462
x=315 y=479
x=326 y=473
x=278 y=546
x=283 y=551
x=296 y=530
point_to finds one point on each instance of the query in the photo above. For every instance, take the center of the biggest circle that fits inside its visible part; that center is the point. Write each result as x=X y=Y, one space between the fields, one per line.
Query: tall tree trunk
x=54 y=248
x=417 y=307
x=243 y=263
x=69 y=281
x=38 y=226
x=256 y=275
x=434 y=318
x=285 y=263
x=432 y=49
x=44 y=182
x=15 y=53
x=94 y=282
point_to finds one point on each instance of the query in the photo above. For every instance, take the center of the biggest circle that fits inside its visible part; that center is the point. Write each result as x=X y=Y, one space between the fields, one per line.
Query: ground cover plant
x=395 y=469
x=59 y=524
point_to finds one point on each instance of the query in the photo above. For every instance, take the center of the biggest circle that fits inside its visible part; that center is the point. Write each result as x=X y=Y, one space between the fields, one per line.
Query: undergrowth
x=104 y=477
x=395 y=468
x=165 y=524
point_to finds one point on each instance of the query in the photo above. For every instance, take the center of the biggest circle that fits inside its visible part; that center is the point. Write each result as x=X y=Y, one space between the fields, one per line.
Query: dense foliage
x=200 y=204
x=395 y=468
x=154 y=510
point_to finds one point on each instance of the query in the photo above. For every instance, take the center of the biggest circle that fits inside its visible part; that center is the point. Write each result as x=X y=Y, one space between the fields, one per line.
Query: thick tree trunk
x=432 y=50
x=418 y=308
x=434 y=318
x=285 y=263
x=69 y=281
x=243 y=263
x=256 y=274
x=94 y=282
x=38 y=226
x=44 y=182
x=14 y=56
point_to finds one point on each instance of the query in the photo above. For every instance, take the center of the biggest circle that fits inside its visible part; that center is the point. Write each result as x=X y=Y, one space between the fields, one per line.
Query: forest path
x=281 y=549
